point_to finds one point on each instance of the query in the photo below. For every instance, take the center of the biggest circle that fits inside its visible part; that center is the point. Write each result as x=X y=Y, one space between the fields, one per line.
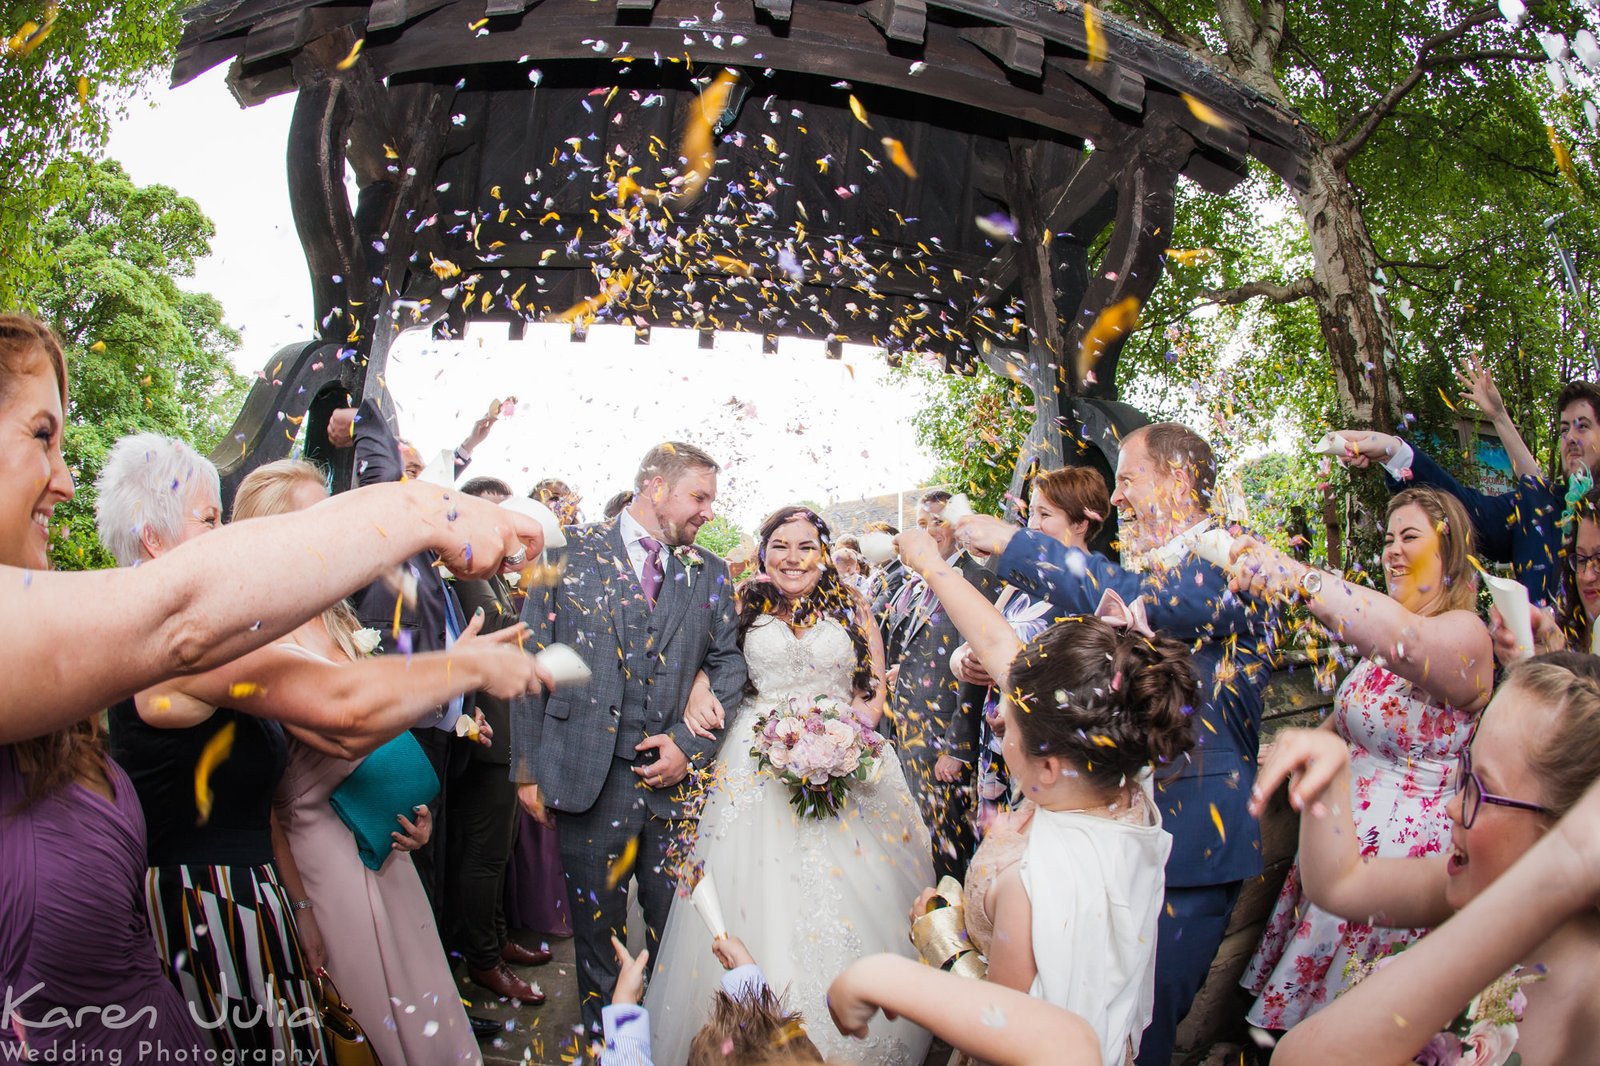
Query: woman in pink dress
x=1405 y=711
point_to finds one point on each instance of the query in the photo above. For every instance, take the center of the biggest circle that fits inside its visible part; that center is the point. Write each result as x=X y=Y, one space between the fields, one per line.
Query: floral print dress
x=1402 y=748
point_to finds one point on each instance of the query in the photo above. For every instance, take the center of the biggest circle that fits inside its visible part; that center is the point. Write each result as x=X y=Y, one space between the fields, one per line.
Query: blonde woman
x=1405 y=712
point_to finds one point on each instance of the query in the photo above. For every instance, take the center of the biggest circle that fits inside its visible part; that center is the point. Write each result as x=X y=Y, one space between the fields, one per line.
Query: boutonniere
x=366 y=640
x=689 y=557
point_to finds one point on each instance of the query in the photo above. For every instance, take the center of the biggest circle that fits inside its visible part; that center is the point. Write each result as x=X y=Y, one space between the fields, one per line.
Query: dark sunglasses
x=1474 y=795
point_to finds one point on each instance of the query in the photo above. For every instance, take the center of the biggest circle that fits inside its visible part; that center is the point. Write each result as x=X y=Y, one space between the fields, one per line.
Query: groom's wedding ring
x=518 y=557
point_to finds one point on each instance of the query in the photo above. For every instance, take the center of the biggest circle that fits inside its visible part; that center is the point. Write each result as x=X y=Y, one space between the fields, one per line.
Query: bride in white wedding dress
x=808 y=896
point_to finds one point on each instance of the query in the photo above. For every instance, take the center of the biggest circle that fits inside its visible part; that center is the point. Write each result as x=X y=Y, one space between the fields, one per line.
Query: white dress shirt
x=632 y=534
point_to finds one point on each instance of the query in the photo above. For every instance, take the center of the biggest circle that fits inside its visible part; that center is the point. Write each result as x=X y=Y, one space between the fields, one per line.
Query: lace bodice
x=816 y=662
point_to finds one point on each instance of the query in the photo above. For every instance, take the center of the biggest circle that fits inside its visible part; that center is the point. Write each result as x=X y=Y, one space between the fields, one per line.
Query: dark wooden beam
x=900 y=20
x=1020 y=50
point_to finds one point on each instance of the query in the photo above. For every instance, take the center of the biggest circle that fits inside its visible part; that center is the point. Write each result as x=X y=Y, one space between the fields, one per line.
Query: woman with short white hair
x=153 y=494
x=218 y=885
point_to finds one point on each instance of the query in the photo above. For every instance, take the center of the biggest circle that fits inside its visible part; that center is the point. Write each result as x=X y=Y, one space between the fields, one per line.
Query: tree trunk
x=1352 y=304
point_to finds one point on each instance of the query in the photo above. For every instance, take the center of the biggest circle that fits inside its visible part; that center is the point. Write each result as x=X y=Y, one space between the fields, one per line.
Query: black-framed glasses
x=1474 y=795
x=1582 y=562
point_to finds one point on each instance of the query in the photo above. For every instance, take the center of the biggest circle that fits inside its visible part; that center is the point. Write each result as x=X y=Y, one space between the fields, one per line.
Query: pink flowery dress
x=1403 y=746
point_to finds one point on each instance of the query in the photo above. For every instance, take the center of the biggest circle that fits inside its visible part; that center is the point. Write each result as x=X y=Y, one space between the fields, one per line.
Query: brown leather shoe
x=502 y=982
x=517 y=955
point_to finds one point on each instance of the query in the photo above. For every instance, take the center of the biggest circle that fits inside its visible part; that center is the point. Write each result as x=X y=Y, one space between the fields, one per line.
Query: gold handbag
x=940 y=934
x=347 y=1042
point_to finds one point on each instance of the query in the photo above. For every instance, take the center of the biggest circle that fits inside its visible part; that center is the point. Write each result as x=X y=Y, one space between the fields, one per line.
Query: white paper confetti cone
x=709 y=907
x=564 y=665
x=1511 y=600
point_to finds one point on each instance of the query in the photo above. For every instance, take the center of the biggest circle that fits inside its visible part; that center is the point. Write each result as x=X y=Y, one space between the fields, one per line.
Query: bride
x=808 y=896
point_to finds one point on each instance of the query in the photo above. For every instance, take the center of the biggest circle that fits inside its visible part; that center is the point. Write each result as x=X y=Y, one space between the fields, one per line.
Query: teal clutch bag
x=391 y=781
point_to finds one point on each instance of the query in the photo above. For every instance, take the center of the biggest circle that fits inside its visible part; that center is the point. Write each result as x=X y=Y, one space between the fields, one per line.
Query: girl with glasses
x=1515 y=890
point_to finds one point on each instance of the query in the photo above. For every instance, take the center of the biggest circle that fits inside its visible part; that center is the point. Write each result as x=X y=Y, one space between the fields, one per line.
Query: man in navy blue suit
x=1165 y=475
x=1521 y=527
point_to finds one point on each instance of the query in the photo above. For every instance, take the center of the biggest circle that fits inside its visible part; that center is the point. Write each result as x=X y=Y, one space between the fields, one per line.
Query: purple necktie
x=653 y=575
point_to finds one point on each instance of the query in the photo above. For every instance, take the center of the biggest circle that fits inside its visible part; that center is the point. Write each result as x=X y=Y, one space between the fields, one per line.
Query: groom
x=603 y=762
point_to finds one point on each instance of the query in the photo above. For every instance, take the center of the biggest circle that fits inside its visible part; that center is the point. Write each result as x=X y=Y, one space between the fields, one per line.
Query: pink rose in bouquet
x=817 y=748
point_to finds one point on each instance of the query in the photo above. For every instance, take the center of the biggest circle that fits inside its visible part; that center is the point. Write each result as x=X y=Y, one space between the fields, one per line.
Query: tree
x=66 y=66
x=719 y=536
x=974 y=426
x=142 y=353
x=1420 y=117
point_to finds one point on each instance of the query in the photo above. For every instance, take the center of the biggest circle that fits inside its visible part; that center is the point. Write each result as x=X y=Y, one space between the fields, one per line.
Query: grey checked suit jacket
x=566 y=741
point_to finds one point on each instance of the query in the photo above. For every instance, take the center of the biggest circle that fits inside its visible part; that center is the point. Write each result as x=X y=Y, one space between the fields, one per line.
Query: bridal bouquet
x=817 y=749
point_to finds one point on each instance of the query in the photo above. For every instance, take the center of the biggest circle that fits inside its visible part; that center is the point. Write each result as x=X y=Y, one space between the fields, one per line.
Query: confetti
x=1110 y=326
x=859 y=112
x=243 y=690
x=1205 y=113
x=1190 y=256
x=622 y=866
x=1558 y=149
x=355 y=51
x=898 y=156
x=216 y=751
x=1216 y=820
x=1094 y=37
x=699 y=146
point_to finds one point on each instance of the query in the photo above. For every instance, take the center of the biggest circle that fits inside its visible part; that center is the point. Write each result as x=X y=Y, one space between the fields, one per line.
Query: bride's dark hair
x=830 y=598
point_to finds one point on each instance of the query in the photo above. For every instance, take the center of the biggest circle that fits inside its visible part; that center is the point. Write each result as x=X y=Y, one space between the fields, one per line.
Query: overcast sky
x=787 y=427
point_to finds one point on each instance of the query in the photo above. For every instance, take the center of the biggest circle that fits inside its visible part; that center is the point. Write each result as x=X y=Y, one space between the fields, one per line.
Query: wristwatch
x=1311 y=583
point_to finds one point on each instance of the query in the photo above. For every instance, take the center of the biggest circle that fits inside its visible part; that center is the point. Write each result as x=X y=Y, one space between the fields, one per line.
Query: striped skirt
x=228 y=937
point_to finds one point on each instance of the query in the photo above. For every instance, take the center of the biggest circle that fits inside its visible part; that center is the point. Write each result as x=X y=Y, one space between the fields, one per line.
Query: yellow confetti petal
x=1446 y=400
x=1094 y=36
x=1205 y=113
x=898 y=156
x=83 y=91
x=217 y=749
x=859 y=112
x=734 y=266
x=1110 y=326
x=98 y=346
x=1563 y=157
x=623 y=866
x=1216 y=820
x=443 y=267
x=350 y=60
x=243 y=690
x=616 y=285
x=1191 y=256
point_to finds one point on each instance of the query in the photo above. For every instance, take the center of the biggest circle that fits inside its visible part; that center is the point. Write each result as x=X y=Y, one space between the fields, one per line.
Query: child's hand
x=731 y=952
x=849 y=998
x=1309 y=760
x=630 y=978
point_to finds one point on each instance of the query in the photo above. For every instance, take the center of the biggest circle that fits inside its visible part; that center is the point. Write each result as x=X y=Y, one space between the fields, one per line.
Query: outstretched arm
x=217 y=597
x=993 y=640
x=356 y=707
x=1399 y=893
x=995 y=1024
x=1391 y=1015
x=1449 y=655
x=1478 y=384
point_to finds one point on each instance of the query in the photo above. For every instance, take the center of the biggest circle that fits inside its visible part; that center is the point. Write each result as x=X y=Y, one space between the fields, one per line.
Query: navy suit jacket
x=1189 y=602
x=1521 y=527
x=378 y=461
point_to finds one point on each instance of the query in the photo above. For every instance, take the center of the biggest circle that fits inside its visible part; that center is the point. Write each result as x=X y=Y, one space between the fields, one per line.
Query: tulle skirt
x=807 y=896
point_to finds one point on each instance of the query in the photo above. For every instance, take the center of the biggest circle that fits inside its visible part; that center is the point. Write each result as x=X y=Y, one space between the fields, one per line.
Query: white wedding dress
x=807 y=896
